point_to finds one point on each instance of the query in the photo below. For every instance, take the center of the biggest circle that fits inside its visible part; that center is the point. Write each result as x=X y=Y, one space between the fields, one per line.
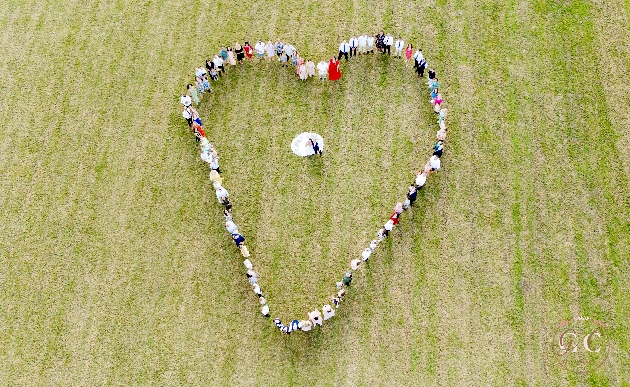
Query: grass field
x=115 y=268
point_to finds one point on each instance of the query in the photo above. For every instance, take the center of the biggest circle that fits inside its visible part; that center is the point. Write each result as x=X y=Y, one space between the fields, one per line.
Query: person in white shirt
x=370 y=44
x=222 y=193
x=354 y=264
x=231 y=227
x=270 y=49
x=354 y=43
x=417 y=57
x=188 y=115
x=400 y=45
x=329 y=312
x=365 y=255
x=185 y=100
x=315 y=317
x=421 y=179
x=218 y=64
x=362 y=43
x=288 y=50
x=260 y=49
x=310 y=68
x=434 y=163
x=389 y=41
x=306 y=325
x=265 y=310
x=322 y=70
x=344 y=49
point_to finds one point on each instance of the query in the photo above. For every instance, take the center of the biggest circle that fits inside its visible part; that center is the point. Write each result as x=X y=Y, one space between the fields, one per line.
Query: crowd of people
x=286 y=54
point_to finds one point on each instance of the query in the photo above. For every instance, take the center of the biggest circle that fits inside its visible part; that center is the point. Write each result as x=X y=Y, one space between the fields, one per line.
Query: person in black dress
x=240 y=54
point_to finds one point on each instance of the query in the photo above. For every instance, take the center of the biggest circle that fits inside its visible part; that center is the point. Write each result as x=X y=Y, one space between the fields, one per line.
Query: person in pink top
x=408 y=54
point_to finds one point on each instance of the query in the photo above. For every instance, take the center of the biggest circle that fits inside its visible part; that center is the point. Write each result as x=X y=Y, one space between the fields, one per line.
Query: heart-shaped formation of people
x=287 y=55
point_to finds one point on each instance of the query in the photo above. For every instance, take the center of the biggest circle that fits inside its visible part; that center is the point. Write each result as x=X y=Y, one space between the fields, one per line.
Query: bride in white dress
x=307 y=144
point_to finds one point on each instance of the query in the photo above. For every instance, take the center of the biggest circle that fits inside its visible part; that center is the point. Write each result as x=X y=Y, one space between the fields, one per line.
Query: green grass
x=115 y=268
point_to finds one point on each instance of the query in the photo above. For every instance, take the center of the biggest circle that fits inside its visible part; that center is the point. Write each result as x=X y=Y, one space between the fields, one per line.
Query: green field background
x=115 y=268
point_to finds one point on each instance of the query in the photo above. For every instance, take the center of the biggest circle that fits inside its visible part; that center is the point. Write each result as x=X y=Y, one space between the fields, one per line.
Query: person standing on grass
x=370 y=41
x=362 y=41
x=412 y=194
x=399 y=46
x=434 y=163
x=380 y=41
x=238 y=239
x=347 y=278
x=306 y=325
x=260 y=50
x=438 y=148
x=270 y=50
x=231 y=227
x=421 y=66
x=218 y=64
x=188 y=116
x=315 y=317
x=288 y=51
x=193 y=93
x=279 y=46
x=408 y=54
x=315 y=146
x=302 y=72
x=333 y=69
x=230 y=56
x=367 y=252
x=185 y=100
x=238 y=49
x=354 y=43
x=388 y=41
x=322 y=70
x=221 y=192
x=329 y=312
x=417 y=56
x=223 y=54
x=249 y=50
x=310 y=68
x=344 y=49
x=421 y=179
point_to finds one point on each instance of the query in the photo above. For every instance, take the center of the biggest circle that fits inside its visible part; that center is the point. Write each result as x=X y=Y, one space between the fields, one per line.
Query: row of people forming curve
x=286 y=54
x=363 y=44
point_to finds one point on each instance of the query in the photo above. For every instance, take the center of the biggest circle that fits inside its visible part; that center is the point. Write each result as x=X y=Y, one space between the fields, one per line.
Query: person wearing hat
x=354 y=264
x=265 y=310
x=347 y=278
x=329 y=312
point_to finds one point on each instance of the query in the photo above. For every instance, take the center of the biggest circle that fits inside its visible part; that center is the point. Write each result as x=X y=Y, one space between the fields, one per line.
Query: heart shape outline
x=210 y=156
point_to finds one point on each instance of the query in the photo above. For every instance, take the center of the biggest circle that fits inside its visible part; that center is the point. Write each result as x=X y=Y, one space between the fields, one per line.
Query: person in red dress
x=249 y=50
x=333 y=69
